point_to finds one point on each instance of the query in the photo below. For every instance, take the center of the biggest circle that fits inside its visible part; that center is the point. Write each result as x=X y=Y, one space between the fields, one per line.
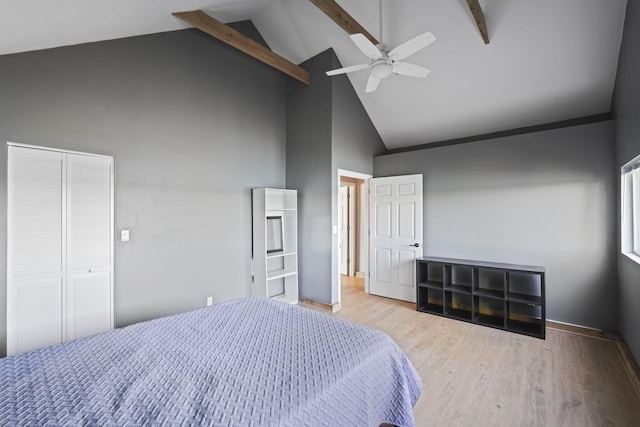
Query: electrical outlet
x=209 y=301
x=124 y=235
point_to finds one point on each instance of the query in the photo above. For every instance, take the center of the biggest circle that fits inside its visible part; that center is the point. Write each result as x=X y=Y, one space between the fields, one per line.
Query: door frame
x=364 y=217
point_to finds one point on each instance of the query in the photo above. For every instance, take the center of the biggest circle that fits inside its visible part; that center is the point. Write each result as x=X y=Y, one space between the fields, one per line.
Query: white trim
x=350 y=174
x=65 y=245
x=574 y=325
x=633 y=256
x=636 y=211
x=57 y=150
x=113 y=243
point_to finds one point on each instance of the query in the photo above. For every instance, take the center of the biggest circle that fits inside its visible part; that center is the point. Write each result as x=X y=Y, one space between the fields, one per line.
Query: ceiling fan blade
x=411 y=70
x=372 y=84
x=410 y=47
x=347 y=69
x=365 y=45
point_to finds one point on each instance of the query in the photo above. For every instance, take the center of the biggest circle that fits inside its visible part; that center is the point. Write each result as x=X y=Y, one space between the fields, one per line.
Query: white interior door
x=395 y=209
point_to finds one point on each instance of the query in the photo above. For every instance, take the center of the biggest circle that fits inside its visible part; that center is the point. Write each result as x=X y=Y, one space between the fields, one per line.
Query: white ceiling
x=548 y=60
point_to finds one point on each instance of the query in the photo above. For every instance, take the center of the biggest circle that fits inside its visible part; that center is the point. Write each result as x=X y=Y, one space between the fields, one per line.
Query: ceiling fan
x=384 y=62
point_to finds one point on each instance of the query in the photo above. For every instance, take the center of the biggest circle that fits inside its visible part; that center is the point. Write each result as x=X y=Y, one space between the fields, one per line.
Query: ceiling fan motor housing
x=381 y=68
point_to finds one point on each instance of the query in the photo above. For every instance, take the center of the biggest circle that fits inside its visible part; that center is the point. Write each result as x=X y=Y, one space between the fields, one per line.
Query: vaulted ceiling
x=547 y=60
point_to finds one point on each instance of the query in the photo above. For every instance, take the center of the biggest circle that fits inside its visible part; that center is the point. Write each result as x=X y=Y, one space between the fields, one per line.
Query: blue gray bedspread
x=249 y=362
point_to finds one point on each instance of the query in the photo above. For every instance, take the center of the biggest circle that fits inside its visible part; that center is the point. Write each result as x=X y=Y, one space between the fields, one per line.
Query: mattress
x=248 y=362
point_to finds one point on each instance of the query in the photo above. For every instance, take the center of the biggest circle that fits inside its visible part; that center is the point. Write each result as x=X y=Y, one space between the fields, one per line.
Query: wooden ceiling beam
x=341 y=17
x=228 y=35
x=478 y=15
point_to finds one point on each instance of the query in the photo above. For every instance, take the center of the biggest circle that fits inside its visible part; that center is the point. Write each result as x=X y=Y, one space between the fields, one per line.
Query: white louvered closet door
x=35 y=249
x=59 y=261
x=89 y=305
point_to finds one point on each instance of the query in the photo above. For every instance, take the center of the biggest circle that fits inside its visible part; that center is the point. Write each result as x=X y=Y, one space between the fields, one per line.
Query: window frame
x=636 y=211
x=630 y=209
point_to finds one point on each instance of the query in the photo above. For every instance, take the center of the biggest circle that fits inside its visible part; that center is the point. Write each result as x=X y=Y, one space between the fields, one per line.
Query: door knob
x=417 y=245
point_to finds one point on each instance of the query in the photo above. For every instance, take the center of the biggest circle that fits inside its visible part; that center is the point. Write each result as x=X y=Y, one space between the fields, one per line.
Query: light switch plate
x=124 y=235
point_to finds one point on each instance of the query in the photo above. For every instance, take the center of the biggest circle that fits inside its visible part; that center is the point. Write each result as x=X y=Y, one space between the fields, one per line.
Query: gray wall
x=626 y=111
x=355 y=141
x=193 y=126
x=327 y=129
x=544 y=198
x=309 y=171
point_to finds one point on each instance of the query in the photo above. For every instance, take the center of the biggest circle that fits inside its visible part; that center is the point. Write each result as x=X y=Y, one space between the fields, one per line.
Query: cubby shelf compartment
x=431 y=299
x=498 y=295
x=458 y=305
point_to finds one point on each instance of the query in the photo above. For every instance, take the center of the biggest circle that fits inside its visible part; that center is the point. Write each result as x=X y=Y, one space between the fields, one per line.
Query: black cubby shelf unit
x=498 y=295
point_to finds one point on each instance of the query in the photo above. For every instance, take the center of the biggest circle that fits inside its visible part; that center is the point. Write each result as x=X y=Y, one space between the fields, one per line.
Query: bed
x=248 y=362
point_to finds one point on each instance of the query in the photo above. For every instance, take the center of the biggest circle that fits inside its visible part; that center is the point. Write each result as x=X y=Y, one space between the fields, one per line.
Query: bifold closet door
x=89 y=296
x=60 y=250
x=35 y=249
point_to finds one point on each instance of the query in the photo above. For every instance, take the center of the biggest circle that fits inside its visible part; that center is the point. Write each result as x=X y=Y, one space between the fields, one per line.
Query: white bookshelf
x=275 y=243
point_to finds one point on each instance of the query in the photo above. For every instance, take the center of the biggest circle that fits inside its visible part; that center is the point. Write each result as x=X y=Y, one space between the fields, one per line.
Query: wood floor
x=478 y=376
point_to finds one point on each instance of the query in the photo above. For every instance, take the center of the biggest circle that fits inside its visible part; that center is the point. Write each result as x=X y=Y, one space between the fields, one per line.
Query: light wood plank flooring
x=478 y=376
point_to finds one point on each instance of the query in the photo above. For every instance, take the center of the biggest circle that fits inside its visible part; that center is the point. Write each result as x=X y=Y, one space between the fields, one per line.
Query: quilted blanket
x=249 y=362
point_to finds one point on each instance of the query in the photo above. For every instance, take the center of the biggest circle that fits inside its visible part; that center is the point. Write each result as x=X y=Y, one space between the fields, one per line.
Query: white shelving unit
x=275 y=243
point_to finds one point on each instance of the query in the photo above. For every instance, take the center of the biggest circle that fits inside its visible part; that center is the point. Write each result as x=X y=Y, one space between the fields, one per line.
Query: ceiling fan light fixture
x=381 y=69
